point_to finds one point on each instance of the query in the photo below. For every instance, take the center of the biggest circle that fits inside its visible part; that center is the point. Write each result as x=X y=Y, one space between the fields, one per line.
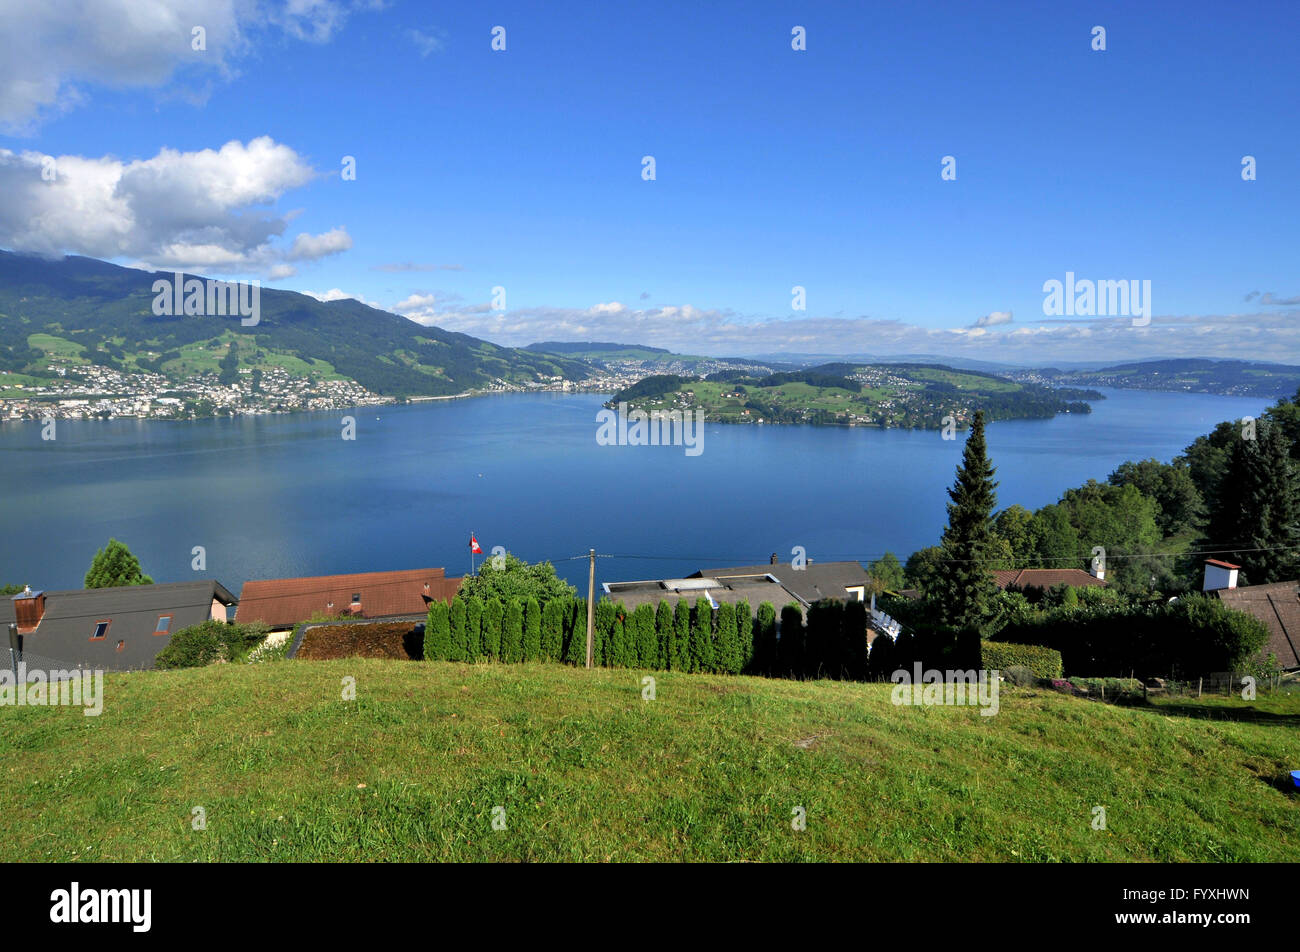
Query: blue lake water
x=278 y=496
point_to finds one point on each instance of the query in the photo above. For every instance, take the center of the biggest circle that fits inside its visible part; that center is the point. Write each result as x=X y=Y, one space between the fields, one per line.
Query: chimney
x=1096 y=570
x=1219 y=575
x=29 y=609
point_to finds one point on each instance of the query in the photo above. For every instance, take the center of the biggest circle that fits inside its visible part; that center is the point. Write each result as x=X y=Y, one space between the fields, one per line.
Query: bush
x=681 y=643
x=553 y=630
x=664 y=635
x=458 y=649
x=512 y=632
x=532 y=630
x=493 y=618
x=789 y=652
x=1001 y=656
x=764 y=660
x=645 y=636
x=726 y=647
x=744 y=634
x=701 y=647
x=473 y=630
x=210 y=642
x=437 y=632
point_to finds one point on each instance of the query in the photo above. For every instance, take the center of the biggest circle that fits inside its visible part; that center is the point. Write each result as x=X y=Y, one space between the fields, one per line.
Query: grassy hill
x=92 y=311
x=905 y=395
x=587 y=770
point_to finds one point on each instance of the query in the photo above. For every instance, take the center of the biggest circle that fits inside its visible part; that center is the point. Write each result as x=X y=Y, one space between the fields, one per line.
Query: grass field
x=585 y=769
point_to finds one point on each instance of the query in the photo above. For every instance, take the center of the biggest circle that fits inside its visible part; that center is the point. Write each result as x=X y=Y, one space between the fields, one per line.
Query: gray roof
x=71 y=616
x=813 y=582
x=754 y=590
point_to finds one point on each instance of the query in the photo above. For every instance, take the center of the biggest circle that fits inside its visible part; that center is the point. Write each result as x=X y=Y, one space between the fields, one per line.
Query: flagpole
x=471 y=551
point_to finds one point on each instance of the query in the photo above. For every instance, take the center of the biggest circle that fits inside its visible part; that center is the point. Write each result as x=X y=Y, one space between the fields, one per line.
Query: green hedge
x=1001 y=655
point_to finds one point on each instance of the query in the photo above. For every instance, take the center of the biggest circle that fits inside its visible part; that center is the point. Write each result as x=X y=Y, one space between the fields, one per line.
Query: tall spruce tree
x=1255 y=517
x=964 y=590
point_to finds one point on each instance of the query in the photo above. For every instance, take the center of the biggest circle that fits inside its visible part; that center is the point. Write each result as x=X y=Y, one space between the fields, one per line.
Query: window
x=164 y=625
x=356 y=598
x=101 y=629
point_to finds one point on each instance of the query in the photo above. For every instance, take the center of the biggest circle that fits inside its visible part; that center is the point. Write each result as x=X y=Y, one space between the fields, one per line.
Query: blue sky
x=775 y=168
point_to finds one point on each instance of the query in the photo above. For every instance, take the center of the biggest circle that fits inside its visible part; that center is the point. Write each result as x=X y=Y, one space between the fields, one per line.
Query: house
x=1043 y=579
x=1276 y=604
x=752 y=589
x=283 y=603
x=811 y=583
x=110 y=629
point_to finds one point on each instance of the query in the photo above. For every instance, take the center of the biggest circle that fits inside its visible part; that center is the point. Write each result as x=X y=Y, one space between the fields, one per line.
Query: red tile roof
x=1222 y=565
x=1277 y=605
x=1044 y=578
x=287 y=601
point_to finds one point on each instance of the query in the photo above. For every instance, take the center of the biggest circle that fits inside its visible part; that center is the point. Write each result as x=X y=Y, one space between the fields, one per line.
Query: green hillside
x=92 y=311
x=1193 y=375
x=903 y=395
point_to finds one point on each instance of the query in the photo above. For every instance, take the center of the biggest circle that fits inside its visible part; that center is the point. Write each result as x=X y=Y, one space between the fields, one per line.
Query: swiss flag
x=474 y=546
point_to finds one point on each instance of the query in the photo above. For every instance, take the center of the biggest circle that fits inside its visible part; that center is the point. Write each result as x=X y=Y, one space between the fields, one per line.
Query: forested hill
x=904 y=395
x=1240 y=378
x=108 y=310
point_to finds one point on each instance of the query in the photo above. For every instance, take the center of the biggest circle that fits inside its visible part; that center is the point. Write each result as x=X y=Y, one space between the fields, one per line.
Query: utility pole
x=591 y=603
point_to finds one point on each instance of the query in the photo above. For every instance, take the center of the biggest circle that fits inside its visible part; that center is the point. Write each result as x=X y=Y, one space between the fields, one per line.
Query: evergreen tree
x=880 y=662
x=647 y=642
x=114 y=566
x=553 y=630
x=664 y=635
x=790 y=663
x=603 y=636
x=727 y=658
x=532 y=630
x=575 y=632
x=701 y=649
x=744 y=635
x=493 y=617
x=512 y=632
x=437 y=633
x=1255 y=518
x=855 y=640
x=681 y=643
x=765 y=640
x=964 y=588
x=459 y=650
x=473 y=630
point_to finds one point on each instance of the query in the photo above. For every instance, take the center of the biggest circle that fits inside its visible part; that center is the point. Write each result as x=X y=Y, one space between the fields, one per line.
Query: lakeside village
x=81 y=391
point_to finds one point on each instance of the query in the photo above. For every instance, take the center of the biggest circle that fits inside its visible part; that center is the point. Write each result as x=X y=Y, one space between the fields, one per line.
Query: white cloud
x=55 y=47
x=687 y=329
x=201 y=211
x=335 y=294
x=994 y=319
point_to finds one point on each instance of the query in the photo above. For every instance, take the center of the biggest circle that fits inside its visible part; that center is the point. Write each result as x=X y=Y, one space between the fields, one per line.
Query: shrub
x=1001 y=656
x=789 y=652
x=473 y=630
x=764 y=660
x=680 y=659
x=512 y=632
x=532 y=630
x=553 y=629
x=493 y=619
x=664 y=635
x=437 y=632
x=701 y=648
x=646 y=639
x=603 y=634
x=209 y=642
x=855 y=640
x=744 y=634
x=575 y=632
x=459 y=649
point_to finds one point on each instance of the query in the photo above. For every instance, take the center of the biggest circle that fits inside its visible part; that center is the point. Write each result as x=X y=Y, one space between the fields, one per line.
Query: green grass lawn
x=586 y=770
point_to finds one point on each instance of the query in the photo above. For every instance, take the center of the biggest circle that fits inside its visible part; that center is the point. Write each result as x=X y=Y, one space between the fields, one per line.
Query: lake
x=279 y=496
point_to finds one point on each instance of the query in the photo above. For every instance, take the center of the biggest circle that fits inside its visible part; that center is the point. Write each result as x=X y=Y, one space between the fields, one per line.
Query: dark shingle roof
x=132 y=612
x=1277 y=605
x=815 y=581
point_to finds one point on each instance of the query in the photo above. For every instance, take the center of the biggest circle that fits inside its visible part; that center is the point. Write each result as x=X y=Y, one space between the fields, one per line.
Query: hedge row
x=1043 y=662
x=683 y=637
x=1192 y=636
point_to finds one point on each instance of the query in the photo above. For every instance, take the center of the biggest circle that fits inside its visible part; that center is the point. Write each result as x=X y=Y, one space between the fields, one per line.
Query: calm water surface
x=271 y=497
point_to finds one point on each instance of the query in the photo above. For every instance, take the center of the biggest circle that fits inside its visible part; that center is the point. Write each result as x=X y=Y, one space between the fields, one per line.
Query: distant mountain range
x=1189 y=374
x=105 y=314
